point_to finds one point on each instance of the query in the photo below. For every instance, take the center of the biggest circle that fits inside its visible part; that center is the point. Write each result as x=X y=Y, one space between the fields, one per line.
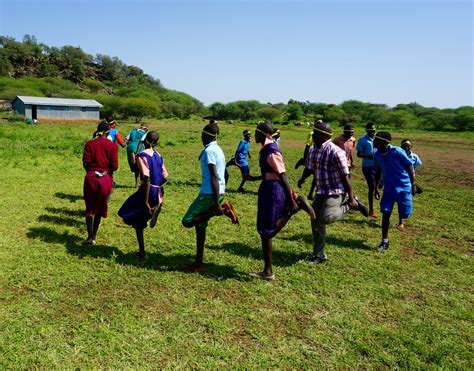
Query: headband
x=152 y=145
x=276 y=133
x=406 y=142
x=210 y=134
x=323 y=131
x=386 y=140
x=260 y=131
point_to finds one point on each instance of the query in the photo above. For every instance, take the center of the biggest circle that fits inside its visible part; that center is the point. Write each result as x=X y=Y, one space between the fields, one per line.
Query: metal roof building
x=57 y=109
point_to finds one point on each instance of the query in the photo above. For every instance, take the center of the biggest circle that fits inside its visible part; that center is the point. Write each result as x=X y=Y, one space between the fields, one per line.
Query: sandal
x=262 y=276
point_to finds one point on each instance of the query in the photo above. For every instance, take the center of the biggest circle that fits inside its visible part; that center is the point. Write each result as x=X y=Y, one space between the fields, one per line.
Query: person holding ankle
x=396 y=168
x=334 y=196
x=145 y=204
x=277 y=202
x=209 y=203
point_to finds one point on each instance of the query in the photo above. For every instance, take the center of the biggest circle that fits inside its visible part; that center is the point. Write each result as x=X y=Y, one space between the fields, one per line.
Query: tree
x=294 y=111
x=268 y=113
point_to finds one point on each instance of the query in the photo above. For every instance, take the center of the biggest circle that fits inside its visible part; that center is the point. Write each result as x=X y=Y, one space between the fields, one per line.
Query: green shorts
x=201 y=205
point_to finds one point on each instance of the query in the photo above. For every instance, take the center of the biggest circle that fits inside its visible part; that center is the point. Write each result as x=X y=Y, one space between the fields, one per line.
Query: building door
x=34 y=112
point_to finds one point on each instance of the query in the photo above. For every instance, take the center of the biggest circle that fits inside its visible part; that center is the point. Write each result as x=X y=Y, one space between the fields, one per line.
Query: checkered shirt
x=329 y=164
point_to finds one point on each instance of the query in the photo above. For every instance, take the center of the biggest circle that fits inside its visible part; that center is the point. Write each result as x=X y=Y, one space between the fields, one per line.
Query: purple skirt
x=134 y=212
x=272 y=205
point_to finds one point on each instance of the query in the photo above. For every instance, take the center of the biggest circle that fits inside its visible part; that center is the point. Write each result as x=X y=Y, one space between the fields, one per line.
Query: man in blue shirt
x=240 y=160
x=365 y=151
x=209 y=202
x=393 y=164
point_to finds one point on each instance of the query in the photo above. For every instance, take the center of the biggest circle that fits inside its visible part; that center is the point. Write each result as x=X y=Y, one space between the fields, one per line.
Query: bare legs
x=92 y=223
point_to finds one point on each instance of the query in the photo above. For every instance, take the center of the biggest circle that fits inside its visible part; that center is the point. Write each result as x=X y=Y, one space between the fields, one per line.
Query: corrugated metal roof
x=59 y=101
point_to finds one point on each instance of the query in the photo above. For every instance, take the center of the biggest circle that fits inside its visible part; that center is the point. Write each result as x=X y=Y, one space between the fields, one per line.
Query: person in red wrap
x=100 y=160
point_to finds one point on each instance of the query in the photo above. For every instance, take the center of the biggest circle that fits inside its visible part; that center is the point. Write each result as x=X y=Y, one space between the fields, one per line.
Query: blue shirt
x=242 y=152
x=415 y=160
x=212 y=155
x=112 y=135
x=394 y=164
x=365 y=145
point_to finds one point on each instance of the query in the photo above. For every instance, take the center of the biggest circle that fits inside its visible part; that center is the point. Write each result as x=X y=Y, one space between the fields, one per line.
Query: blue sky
x=385 y=51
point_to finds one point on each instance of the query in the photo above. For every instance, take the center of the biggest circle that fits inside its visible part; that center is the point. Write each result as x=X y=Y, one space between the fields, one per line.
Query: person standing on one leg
x=415 y=160
x=396 y=168
x=209 y=202
x=145 y=204
x=133 y=140
x=240 y=159
x=100 y=160
x=365 y=150
x=333 y=185
x=277 y=202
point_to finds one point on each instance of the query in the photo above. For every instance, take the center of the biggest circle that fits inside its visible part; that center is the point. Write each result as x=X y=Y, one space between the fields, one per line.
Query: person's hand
x=293 y=206
x=149 y=208
x=377 y=194
x=413 y=190
x=352 y=203
x=300 y=182
x=219 y=210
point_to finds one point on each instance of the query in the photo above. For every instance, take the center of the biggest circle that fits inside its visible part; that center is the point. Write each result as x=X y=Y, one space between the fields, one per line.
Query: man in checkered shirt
x=334 y=197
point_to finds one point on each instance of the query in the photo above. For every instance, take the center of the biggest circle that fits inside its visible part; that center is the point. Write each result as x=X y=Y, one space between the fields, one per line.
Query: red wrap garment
x=100 y=159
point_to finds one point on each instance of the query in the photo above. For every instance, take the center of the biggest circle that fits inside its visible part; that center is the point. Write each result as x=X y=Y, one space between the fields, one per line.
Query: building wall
x=67 y=113
x=18 y=106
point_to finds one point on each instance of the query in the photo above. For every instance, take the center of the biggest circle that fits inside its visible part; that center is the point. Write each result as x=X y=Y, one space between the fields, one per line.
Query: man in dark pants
x=331 y=171
x=365 y=151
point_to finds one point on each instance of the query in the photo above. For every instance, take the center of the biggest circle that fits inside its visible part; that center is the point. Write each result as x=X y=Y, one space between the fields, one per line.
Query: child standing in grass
x=209 y=202
x=145 y=204
x=415 y=160
x=393 y=164
x=277 y=202
x=100 y=160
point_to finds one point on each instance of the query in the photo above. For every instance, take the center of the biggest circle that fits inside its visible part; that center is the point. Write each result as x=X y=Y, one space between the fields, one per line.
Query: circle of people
x=328 y=161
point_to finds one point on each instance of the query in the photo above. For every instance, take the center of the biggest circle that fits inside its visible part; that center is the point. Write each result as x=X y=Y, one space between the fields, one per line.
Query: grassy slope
x=64 y=305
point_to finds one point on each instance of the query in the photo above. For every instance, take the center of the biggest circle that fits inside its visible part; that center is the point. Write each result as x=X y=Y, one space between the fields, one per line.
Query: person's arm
x=306 y=174
x=378 y=176
x=146 y=182
x=348 y=187
x=411 y=174
x=114 y=159
x=86 y=157
x=215 y=188
x=289 y=192
x=120 y=140
x=361 y=155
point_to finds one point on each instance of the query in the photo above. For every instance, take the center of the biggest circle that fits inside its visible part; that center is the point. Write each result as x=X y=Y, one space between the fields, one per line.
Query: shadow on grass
x=119 y=186
x=280 y=258
x=70 y=198
x=60 y=220
x=64 y=211
x=188 y=183
x=348 y=243
x=155 y=261
x=240 y=193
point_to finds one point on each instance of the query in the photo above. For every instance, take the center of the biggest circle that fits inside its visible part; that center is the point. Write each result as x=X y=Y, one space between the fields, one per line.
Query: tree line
x=32 y=68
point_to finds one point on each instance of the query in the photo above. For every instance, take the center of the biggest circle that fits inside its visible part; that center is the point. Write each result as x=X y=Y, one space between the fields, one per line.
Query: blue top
x=394 y=164
x=365 y=145
x=242 y=152
x=212 y=154
x=415 y=160
x=112 y=135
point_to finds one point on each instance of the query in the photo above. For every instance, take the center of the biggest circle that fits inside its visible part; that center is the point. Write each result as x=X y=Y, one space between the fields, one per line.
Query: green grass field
x=66 y=306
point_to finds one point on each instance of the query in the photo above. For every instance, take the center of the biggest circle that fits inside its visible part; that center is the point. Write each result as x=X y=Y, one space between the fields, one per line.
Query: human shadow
x=350 y=243
x=280 y=258
x=119 y=186
x=69 y=197
x=64 y=211
x=246 y=192
x=55 y=219
x=155 y=261
x=177 y=182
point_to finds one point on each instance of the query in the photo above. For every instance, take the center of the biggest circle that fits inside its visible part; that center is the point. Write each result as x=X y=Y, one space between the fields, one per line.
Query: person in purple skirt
x=277 y=201
x=145 y=204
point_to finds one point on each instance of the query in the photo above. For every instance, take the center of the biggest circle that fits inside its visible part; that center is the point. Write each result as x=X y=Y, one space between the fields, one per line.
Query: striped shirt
x=329 y=164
